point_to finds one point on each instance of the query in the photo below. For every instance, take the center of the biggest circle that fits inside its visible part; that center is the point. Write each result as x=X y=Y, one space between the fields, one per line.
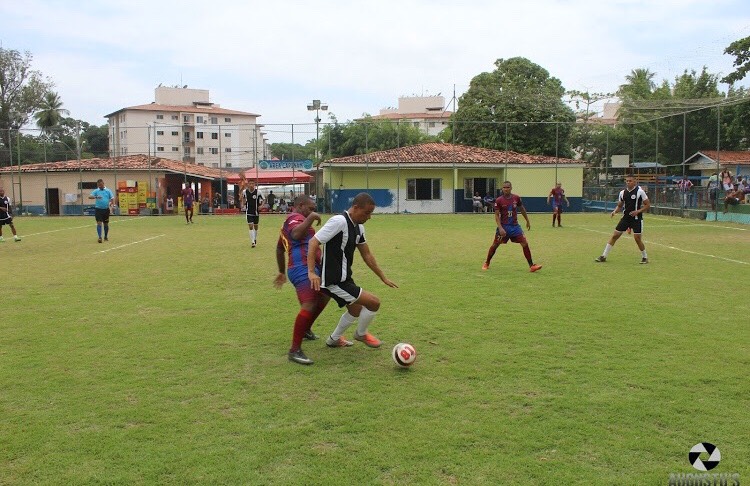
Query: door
x=53 y=201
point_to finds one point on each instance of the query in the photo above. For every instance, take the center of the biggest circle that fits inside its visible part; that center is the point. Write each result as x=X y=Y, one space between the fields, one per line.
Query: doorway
x=53 y=201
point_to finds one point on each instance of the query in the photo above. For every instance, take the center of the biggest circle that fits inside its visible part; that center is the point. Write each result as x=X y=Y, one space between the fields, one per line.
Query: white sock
x=643 y=253
x=250 y=232
x=607 y=249
x=344 y=323
x=365 y=318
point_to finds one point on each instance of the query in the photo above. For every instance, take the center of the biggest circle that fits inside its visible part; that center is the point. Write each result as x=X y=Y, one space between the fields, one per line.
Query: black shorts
x=101 y=215
x=6 y=220
x=343 y=293
x=253 y=218
x=629 y=222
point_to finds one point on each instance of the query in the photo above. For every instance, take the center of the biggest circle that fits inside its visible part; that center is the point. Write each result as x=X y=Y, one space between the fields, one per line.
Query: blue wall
x=341 y=199
x=533 y=204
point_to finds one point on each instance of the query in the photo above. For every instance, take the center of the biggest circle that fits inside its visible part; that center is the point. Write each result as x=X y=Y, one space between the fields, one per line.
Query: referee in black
x=252 y=201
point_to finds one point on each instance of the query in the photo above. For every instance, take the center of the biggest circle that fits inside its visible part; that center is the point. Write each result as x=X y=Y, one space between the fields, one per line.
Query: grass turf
x=160 y=356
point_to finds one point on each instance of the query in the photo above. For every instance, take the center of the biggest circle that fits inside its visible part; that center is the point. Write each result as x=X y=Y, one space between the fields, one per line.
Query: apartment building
x=183 y=124
x=428 y=113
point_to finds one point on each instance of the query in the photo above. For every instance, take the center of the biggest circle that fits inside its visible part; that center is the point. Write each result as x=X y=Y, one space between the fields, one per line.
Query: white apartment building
x=428 y=113
x=183 y=124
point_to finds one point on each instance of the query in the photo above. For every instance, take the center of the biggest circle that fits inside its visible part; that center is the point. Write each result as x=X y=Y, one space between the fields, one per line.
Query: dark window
x=87 y=185
x=481 y=185
x=423 y=189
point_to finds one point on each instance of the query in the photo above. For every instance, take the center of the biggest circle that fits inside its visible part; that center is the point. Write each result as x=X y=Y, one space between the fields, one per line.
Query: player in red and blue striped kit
x=507 y=207
x=293 y=241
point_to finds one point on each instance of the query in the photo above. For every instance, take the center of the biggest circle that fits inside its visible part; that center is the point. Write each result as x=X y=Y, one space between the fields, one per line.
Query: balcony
x=188 y=158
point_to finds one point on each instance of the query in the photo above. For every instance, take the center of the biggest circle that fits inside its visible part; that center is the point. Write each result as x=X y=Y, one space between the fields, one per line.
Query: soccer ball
x=404 y=355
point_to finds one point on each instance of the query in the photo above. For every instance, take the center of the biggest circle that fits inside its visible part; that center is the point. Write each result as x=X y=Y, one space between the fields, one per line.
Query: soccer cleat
x=299 y=357
x=600 y=259
x=253 y=245
x=368 y=339
x=485 y=266
x=644 y=261
x=17 y=238
x=2 y=239
x=535 y=267
x=338 y=343
x=106 y=238
x=100 y=240
x=310 y=336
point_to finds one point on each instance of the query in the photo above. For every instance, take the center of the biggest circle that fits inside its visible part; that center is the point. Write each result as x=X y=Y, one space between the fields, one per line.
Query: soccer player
x=252 y=201
x=188 y=198
x=340 y=235
x=293 y=241
x=507 y=207
x=6 y=216
x=557 y=194
x=635 y=203
x=102 y=208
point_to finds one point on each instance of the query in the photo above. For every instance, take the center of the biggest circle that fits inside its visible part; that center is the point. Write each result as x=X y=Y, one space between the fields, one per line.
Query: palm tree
x=50 y=112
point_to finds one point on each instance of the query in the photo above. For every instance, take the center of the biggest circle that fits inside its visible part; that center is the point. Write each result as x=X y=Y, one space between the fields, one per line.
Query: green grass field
x=160 y=356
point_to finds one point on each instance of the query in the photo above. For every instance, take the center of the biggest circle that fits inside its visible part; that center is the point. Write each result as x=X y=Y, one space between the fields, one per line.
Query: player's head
x=507 y=188
x=362 y=207
x=303 y=205
x=558 y=185
x=630 y=182
x=100 y=184
x=2 y=192
x=251 y=184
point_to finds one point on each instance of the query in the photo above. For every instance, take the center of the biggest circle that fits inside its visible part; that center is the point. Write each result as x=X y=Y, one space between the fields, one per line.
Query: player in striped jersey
x=252 y=201
x=341 y=235
x=6 y=216
x=635 y=203
x=293 y=241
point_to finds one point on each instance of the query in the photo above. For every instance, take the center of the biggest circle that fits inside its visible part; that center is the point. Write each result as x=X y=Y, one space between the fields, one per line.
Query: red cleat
x=535 y=267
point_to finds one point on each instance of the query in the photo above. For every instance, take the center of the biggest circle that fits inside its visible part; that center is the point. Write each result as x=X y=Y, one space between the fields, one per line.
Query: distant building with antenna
x=428 y=113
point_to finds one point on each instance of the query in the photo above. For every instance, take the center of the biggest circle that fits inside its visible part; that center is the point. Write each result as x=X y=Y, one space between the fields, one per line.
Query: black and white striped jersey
x=340 y=236
x=633 y=200
x=253 y=201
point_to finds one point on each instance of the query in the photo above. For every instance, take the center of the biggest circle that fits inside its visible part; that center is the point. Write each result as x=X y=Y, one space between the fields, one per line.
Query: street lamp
x=316 y=106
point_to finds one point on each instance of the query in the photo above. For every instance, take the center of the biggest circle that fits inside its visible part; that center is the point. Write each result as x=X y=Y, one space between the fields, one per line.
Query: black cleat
x=299 y=357
x=310 y=336
x=600 y=259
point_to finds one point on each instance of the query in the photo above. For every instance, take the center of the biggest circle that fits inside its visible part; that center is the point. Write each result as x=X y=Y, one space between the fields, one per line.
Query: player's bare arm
x=500 y=228
x=370 y=261
x=617 y=209
x=312 y=250
x=300 y=230
x=280 y=279
x=525 y=216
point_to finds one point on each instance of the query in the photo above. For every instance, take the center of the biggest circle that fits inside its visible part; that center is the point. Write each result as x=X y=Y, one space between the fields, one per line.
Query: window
x=432 y=124
x=160 y=149
x=199 y=150
x=201 y=163
x=199 y=119
x=186 y=138
x=227 y=134
x=423 y=189
x=481 y=185
x=227 y=120
x=159 y=117
x=186 y=118
x=416 y=124
x=187 y=151
x=214 y=151
x=198 y=134
x=174 y=134
x=228 y=149
x=160 y=132
x=175 y=117
x=228 y=165
x=214 y=120
x=175 y=149
x=215 y=165
x=214 y=136
x=87 y=185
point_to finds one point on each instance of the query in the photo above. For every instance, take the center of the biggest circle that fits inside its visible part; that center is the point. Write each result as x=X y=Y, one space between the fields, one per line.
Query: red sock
x=492 y=250
x=554 y=216
x=558 y=219
x=301 y=324
x=527 y=254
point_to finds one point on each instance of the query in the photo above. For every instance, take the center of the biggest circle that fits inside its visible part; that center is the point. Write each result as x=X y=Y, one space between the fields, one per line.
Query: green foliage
x=367 y=135
x=22 y=91
x=293 y=151
x=50 y=112
x=132 y=374
x=513 y=107
x=740 y=49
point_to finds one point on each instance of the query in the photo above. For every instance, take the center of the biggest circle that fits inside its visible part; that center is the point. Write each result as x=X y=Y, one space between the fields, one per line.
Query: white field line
x=129 y=244
x=79 y=227
x=670 y=247
x=664 y=219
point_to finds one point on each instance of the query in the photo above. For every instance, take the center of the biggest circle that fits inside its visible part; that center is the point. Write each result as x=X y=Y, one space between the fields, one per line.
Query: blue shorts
x=513 y=232
x=298 y=277
x=557 y=207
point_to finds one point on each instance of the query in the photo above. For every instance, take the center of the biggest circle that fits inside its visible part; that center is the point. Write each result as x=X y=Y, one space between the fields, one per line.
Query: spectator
x=283 y=206
x=271 y=198
x=684 y=185
x=489 y=203
x=477 y=203
x=733 y=198
x=205 y=204
x=726 y=179
x=217 y=200
x=713 y=189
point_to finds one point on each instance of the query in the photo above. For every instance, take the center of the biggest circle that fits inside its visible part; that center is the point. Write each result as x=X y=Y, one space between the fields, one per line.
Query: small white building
x=184 y=124
x=428 y=113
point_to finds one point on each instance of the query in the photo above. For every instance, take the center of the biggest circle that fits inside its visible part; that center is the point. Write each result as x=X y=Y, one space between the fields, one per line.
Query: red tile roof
x=437 y=153
x=739 y=157
x=210 y=110
x=126 y=163
x=410 y=116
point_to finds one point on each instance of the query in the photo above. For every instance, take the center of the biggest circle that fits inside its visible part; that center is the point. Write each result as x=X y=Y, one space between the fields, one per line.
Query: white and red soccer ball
x=404 y=354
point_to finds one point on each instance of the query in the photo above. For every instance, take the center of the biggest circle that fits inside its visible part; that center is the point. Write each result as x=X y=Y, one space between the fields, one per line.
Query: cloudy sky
x=274 y=57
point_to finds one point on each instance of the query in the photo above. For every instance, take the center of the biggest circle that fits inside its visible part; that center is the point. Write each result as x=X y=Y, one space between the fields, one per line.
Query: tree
x=517 y=106
x=50 y=112
x=367 y=135
x=293 y=151
x=740 y=49
x=22 y=90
